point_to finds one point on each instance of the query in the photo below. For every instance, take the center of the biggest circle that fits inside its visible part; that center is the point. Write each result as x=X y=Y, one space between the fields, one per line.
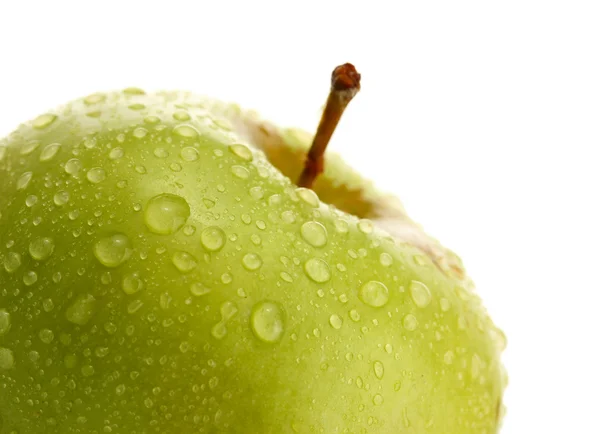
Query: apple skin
x=160 y=277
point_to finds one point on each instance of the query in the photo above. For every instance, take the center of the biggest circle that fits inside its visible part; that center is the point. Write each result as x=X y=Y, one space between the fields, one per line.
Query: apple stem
x=345 y=84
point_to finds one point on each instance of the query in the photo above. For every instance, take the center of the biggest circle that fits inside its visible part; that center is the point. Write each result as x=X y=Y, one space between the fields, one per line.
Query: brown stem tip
x=345 y=83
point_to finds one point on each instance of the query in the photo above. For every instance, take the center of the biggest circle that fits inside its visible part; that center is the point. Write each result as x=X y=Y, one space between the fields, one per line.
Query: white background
x=483 y=116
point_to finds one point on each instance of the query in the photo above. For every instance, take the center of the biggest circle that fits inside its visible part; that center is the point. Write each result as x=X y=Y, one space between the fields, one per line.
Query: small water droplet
x=40 y=249
x=46 y=335
x=241 y=151
x=49 y=152
x=341 y=226
x=96 y=175
x=354 y=315
x=385 y=259
x=335 y=321
x=410 y=322
x=252 y=261
x=94 y=98
x=365 y=226
x=267 y=321
x=314 y=233
x=24 y=180
x=374 y=294
x=28 y=148
x=31 y=200
x=378 y=369
x=114 y=250
x=212 y=238
x=449 y=357
x=134 y=306
x=166 y=213
x=61 y=198
x=286 y=277
x=116 y=153
x=82 y=309
x=420 y=293
x=228 y=311
x=257 y=192
x=4 y=321
x=185 y=131
x=184 y=261
x=137 y=107
x=29 y=278
x=7 y=360
x=44 y=121
x=308 y=196
x=132 y=283
x=378 y=399
x=317 y=270
x=73 y=166
x=120 y=389
x=198 y=289
x=189 y=154
x=12 y=262
x=240 y=172
x=181 y=115
x=288 y=217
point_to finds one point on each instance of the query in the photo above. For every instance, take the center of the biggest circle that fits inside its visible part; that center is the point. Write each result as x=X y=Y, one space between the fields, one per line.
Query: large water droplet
x=96 y=175
x=61 y=198
x=318 y=270
x=185 y=131
x=82 y=309
x=241 y=151
x=24 y=180
x=251 y=261
x=374 y=294
x=314 y=233
x=212 y=238
x=40 y=249
x=44 y=121
x=7 y=359
x=166 y=213
x=114 y=250
x=4 y=321
x=12 y=262
x=308 y=196
x=49 y=152
x=184 y=261
x=132 y=283
x=257 y=192
x=420 y=293
x=410 y=322
x=267 y=321
x=73 y=166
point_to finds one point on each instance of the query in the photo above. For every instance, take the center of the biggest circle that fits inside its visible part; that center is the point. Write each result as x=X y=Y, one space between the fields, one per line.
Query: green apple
x=160 y=272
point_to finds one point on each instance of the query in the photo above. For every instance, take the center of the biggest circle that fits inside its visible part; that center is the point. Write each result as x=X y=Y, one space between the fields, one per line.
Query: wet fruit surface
x=159 y=276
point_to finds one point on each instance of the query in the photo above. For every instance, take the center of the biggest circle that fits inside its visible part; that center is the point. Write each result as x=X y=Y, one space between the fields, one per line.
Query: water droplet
x=24 y=180
x=151 y=120
x=181 y=115
x=318 y=270
x=184 y=261
x=365 y=226
x=198 y=289
x=314 y=233
x=444 y=304
x=94 y=98
x=137 y=107
x=134 y=306
x=120 y=389
x=41 y=248
x=378 y=369
x=166 y=213
x=82 y=309
x=241 y=151
x=132 y=91
x=267 y=321
x=212 y=238
x=43 y=121
x=87 y=370
x=114 y=250
x=308 y=196
x=96 y=175
x=335 y=321
x=378 y=399
x=4 y=321
x=116 y=153
x=449 y=357
x=73 y=166
x=132 y=283
x=46 y=336
x=185 y=131
x=252 y=261
x=410 y=322
x=160 y=153
x=61 y=198
x=385 y=259
x=29 y=278
x=49 y=152
x=420 y=293
x=257 y=192
x=374 y=294
x=228 y=311
x=48 y=305
x=31 y=200
x=189 y=154
x=354 y=315
x=12 y=262
x=286 y=277
x=288 y=217
x=28 y=148
x=226 y=278
x=240 y=172
x=7 y=360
